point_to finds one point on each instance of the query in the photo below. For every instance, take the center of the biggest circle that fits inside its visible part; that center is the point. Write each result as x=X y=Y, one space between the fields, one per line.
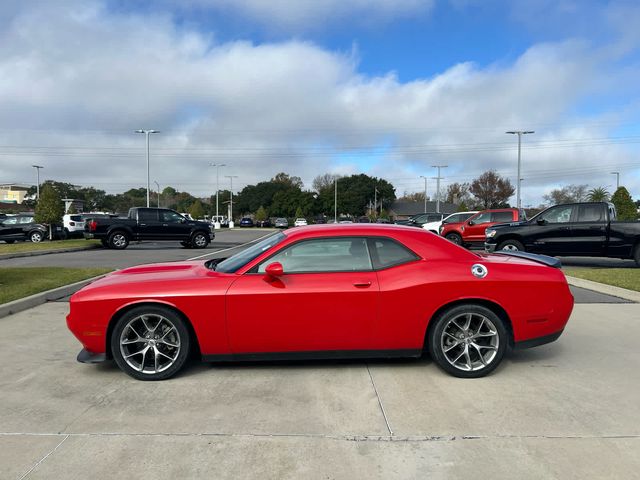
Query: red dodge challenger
x=325 y=291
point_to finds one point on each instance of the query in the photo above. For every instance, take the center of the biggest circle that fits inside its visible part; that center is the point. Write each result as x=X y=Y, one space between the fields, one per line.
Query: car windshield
x=239 y=260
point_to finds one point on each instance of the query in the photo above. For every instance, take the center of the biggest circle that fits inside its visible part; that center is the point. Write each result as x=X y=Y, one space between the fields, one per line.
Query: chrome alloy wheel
x=200 y=240
x=470 y=341
x=150 y=343
x=510 y=247
x=119 y=240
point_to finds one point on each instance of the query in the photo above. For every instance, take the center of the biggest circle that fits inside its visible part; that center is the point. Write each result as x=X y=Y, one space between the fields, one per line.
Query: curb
x=31 y=301
x=7 y=256
x=605 y=289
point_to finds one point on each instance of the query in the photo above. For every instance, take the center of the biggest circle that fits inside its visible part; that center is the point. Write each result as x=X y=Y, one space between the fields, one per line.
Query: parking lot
x=569 y=409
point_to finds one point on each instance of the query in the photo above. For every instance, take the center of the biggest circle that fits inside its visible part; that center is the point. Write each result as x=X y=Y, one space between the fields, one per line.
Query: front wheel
x=468 y=341
x=454 y=237
x=199 y=240
x=118 y=240
x=150 y=343
x=511 y=246
x=36 y=236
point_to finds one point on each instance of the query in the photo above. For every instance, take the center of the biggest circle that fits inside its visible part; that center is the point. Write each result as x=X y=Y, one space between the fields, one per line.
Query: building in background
x=13 y=192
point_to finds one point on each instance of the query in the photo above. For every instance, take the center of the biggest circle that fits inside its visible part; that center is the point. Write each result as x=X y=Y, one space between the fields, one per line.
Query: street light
x=438 y=178
x=617 y=174
x=158 y=187
x=335 y=200
x=519 y=133
x=37 y=167
x=216 y=224
x=231 y=177
x=425 y=192
x=147 y=133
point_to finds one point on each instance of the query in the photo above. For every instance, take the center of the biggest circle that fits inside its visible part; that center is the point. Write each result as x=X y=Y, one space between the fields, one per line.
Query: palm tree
x=598 y=194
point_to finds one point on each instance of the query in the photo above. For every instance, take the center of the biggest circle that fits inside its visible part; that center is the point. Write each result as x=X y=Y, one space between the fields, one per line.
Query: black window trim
x=368 y=238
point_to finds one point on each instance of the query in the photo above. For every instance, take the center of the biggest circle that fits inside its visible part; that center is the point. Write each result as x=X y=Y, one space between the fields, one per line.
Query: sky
x=383 y=87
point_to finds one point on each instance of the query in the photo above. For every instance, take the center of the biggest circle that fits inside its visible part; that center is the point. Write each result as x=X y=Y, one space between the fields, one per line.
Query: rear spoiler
x=544 y=259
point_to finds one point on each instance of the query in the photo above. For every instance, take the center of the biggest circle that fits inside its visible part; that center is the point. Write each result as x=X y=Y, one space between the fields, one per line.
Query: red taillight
x=93 y=225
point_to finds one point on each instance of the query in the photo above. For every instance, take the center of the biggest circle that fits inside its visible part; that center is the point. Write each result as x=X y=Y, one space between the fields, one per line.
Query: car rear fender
x=491 y=305
x=129 y=306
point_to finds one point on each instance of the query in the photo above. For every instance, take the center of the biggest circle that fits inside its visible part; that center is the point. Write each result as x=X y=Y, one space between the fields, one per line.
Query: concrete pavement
x=565 y=410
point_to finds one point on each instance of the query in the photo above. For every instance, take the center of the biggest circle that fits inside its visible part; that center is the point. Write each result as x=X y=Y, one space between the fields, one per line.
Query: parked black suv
x=572 y=229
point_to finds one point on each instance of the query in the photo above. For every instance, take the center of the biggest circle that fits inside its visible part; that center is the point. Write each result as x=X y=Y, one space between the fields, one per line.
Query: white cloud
x=83 y=77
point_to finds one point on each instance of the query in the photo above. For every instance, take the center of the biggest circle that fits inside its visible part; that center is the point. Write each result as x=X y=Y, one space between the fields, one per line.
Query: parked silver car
x=281 y=223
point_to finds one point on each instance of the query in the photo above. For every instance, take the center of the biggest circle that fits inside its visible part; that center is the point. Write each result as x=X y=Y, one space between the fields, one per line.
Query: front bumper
x=85 y=356
x=490 y=247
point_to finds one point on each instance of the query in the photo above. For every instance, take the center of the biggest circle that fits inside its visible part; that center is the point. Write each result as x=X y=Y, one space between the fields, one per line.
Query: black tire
x=36 y=236
x=173 y=327
x=118 y=240
x=454 y=238
x=511 y=246
x=459 y=341
x=199 y=240
x=104 y=243
x=186 y=244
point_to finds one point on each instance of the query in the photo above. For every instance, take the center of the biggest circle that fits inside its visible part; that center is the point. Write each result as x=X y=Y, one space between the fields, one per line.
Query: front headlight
x=490 y=233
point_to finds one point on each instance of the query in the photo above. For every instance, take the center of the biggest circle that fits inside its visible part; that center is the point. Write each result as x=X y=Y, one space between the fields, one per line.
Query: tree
x=491 y=190
x=72 y=210
x=299 y=213
x=568 y=194
x=355 y=193
x=286 y=179
x=49 y=209
x=261 y=214
x=417 y=197
x=196 y=210
x=625 y=208
x=324 y=181
x=458 y=193
x=598 y=194
x=384 y=214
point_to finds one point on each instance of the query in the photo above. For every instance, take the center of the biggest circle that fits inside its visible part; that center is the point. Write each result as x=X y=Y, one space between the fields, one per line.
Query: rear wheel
x=118 y=240
x=468 y=341
x=454 y=237
x=511 y=246
x=199 y=240
x=150 y=343
x=36 y=236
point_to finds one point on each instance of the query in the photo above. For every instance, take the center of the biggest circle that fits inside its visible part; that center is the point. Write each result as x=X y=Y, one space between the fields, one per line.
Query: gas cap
x=479 y=270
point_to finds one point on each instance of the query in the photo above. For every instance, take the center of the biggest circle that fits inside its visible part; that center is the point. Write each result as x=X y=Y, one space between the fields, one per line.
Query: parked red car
x=325 y=291
x=471 y=231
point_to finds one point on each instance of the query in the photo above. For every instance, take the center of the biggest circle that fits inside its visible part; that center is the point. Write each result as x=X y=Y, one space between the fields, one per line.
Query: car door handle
x=165 y=224
x=362 y=284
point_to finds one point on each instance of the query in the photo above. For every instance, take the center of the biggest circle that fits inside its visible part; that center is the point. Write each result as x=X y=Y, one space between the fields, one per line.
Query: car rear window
x=75 y=218
x=386 y=253
x=502 y=217
x=591 y=213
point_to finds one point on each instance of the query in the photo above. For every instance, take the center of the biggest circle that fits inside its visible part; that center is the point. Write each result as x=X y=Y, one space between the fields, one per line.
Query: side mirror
x=274 y=269
x=542 y=221
x=183 y=220
x=470 y=223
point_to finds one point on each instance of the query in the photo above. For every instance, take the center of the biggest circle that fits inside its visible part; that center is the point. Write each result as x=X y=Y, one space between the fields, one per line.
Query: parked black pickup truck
x=572 y=229
x=148 y=224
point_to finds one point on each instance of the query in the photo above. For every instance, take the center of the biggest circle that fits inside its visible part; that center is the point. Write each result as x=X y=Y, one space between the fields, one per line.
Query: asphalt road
x=567 y=410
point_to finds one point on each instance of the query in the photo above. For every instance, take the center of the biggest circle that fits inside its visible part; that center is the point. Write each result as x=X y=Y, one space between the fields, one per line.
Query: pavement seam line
x=230 y=248
x=384 y=414
x=44 y=458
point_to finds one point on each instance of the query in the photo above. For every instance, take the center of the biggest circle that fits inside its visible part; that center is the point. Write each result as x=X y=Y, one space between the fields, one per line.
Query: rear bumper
x=535 y=342
x=88 y=235
x=85 y=356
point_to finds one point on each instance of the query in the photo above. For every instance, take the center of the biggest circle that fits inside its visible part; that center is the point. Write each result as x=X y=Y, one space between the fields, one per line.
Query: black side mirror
x=183 y=220
x=542 y=221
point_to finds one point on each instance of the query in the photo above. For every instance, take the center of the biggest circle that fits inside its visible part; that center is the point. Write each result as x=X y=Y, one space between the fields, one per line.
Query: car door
x=589 y=230
x=174 y=226
x=327 y=299
x=149 y=226
x=474 y=227
x=11 y=229
x=552 y=232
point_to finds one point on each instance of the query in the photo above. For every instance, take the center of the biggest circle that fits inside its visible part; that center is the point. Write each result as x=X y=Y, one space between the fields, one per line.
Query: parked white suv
x=300 y=222
x=434 y=227
x=73 y=224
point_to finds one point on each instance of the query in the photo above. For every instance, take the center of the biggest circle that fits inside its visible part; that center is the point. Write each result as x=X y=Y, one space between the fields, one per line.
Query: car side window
x=482 y=218
x=501 y=217
x=26 y=219
x=560 y=214
x=147 y=215
x=10 y=221
x=388 y=253
x=591 y=213
x=343 y=254
x=169 y=216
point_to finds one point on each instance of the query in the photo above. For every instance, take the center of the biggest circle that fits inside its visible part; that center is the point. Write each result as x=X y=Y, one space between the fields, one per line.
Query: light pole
x=147 y=133
x=375 y=201
x=425 y=192
x=158 y=187
x=518 y=183
x=617 y=174
x=216 y=224
x=438 y=178
x=231 y=177
x=37 y=167
x=335 y=200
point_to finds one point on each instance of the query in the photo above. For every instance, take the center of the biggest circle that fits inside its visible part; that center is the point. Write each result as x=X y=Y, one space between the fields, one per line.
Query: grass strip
x=21 y=282
x=628 y=278
x=20 y=247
